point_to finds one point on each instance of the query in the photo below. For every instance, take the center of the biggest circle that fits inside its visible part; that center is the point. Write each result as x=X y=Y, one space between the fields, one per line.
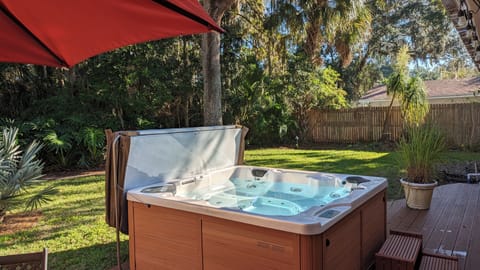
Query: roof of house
x=435 y=89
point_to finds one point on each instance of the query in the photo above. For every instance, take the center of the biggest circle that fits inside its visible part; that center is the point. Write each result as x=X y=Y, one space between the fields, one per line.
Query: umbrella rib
x=187 y=14
x=32 y=35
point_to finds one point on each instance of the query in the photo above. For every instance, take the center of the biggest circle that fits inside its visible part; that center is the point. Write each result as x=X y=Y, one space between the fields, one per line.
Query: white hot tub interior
x=264 y=191
x=303 y=202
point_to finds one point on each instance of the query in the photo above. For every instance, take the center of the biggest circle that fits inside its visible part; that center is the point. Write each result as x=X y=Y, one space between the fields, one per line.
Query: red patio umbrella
x=61 y=33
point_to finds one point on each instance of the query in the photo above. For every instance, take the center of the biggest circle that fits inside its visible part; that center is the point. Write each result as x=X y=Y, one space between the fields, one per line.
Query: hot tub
x=244 y=217
x=294 y=201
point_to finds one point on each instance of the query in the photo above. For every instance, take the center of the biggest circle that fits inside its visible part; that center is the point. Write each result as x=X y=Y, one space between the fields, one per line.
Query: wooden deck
x=450 y=227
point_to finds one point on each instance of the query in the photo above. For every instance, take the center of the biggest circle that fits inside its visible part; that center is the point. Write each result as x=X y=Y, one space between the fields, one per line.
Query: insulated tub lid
x=165 y=154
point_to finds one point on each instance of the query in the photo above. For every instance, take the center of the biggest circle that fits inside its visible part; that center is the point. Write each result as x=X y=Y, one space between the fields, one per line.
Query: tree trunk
x=312 y=44
x=212 y=84
x=387 y=118
x=3 y=213
x=314 y=36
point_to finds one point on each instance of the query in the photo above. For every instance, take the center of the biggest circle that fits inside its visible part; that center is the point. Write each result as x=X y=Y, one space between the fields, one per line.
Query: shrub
x=19 y=170
x=420 y=150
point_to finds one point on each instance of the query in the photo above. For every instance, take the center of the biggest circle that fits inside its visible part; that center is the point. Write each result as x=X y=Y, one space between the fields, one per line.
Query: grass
x=73 y=225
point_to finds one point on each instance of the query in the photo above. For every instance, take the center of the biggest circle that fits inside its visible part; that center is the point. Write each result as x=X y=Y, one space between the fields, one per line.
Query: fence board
x=460 y=123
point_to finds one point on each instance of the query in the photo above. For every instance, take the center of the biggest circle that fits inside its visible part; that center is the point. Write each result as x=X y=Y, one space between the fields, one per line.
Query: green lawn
x=73 y=226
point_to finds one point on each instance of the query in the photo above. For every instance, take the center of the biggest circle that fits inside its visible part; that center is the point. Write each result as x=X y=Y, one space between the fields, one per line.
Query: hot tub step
x=438 y=262
x=400 y=251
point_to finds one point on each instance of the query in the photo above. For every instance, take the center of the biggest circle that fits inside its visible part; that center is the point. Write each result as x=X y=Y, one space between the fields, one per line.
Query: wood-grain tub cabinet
x=165 y=238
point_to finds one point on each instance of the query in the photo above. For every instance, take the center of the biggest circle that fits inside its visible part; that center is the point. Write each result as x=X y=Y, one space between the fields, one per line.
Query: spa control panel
x=329 y=213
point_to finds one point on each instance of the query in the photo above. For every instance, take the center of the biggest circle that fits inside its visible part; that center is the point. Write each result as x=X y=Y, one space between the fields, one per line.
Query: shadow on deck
x=450 y=227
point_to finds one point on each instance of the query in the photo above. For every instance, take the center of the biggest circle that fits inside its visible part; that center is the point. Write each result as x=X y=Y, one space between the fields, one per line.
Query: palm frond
x=414 y=104
x=18 y=171
x=396 y=84
x=41 y=197
x=57 y=143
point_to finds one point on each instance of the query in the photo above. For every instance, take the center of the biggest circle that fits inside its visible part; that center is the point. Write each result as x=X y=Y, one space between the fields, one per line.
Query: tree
x=422 y=24
x=272 y=56
x=313 y=88
x=410 y=91
x=414 y=105
x=340 y=24
x=212 y=83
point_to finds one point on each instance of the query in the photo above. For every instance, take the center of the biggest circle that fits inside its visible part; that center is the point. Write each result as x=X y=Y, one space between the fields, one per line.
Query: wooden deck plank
x=422 y=217
x=450 y=233
x=433 y=235
x=396 y=219
x=407 y=220
x=449 y=226
x=393 y=207
x=438 y=206
x=466 y=228
x=473 y=251
x=425 y=218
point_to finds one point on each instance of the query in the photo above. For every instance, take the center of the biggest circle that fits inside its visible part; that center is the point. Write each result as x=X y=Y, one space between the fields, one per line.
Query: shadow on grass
x=74 y=218
x=101 y=257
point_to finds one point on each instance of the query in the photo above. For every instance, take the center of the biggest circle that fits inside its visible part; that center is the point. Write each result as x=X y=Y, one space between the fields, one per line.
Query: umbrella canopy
x=61 y=33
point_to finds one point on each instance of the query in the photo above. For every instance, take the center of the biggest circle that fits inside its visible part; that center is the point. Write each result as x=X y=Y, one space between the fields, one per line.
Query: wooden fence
x=460 y=122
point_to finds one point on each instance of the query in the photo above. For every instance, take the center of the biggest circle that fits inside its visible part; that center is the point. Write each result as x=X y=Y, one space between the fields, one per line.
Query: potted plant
x=420 y=150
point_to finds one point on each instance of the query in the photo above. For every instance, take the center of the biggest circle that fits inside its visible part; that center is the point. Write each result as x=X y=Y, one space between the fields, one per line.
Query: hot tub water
x=269 y=198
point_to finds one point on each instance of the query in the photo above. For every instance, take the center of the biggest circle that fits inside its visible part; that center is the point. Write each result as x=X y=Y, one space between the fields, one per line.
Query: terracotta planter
x=418 y=196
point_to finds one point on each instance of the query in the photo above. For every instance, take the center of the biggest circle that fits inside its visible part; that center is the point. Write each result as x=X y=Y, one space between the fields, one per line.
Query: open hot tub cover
x=153 y=156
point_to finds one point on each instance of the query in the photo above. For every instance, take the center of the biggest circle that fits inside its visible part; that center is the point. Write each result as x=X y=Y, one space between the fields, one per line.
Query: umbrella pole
x=115 y=192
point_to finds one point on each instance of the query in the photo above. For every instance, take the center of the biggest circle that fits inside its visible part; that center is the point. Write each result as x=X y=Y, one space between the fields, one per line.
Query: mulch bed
x=72 y=174
x=457 y=171
x=19 y=222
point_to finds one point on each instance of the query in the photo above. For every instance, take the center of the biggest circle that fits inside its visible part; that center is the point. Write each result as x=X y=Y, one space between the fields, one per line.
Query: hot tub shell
x=171 y=231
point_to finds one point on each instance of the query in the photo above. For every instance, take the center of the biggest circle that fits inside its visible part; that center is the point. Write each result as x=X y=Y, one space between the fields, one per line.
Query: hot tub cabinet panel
x=374 y=233
x=342 y=244
x=311 y=252
x=163 y=238
x=237 y=246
